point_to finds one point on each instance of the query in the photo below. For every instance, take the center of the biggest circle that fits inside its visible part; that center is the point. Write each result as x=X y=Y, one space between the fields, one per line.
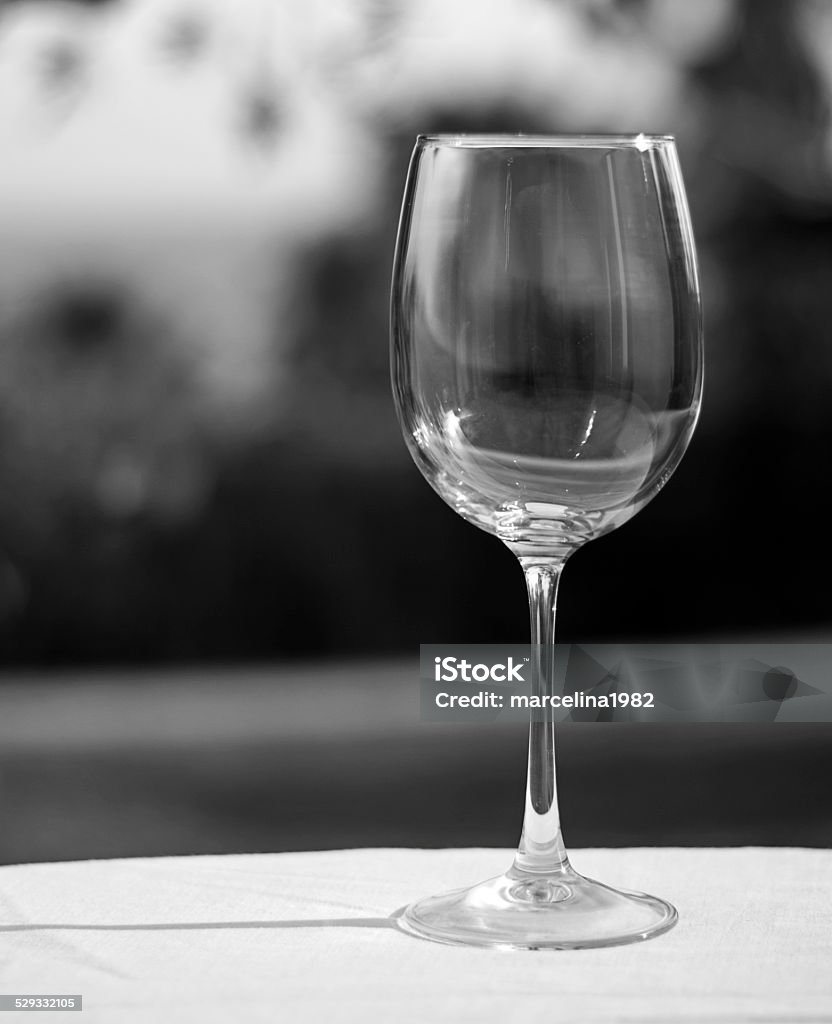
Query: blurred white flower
x=45 y=53
x=149 y=138
x=547 y=58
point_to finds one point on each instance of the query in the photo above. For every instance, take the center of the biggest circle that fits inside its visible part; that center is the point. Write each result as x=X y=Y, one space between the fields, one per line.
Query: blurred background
x=217 y=560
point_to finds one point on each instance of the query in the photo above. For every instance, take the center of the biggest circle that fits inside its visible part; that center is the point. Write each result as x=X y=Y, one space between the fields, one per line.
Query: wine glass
x=547 y=370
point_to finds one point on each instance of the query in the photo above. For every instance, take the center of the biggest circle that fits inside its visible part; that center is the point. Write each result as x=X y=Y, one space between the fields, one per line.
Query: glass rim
x=519 y=140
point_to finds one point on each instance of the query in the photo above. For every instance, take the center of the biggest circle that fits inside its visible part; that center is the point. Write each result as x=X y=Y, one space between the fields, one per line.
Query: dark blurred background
x=199 y=459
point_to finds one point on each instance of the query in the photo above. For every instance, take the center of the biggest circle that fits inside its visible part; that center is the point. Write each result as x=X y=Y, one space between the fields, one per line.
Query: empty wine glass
x=547 y=370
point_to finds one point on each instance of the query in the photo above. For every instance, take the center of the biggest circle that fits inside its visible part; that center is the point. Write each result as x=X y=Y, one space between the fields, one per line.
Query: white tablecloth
x=307 y=937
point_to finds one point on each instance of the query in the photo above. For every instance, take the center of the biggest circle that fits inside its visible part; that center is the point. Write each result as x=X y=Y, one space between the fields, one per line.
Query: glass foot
x=520 y=910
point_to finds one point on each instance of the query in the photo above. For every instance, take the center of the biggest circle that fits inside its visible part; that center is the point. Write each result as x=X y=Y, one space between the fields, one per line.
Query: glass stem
x=541 y=849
